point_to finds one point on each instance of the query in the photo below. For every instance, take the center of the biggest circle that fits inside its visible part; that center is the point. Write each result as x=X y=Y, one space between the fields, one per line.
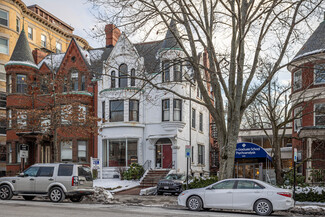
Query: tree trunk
x=277 y=159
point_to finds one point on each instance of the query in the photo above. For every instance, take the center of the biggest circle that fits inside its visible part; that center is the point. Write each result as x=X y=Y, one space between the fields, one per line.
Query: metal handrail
x=147 y=165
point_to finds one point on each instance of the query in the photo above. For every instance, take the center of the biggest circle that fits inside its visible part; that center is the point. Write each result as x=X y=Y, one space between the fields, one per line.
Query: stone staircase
x=152 y=177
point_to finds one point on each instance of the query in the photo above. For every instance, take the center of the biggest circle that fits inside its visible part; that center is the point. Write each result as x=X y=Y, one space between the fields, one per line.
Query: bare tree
x=235 y=34
x=274 y=109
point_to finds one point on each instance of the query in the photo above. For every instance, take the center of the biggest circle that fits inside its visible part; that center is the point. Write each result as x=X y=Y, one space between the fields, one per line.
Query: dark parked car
x=172 y=183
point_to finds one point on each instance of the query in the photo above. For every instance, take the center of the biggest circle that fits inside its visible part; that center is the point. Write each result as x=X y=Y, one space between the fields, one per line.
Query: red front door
x=167 y=156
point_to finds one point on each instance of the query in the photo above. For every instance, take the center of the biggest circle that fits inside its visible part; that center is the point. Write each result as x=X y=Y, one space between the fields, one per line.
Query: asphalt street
x=39 y=208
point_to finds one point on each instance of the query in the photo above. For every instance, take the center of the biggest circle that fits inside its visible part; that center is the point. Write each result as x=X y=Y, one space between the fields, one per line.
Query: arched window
x=113 y=79
x=132 y=77
x=74 y=80
x=123 y=75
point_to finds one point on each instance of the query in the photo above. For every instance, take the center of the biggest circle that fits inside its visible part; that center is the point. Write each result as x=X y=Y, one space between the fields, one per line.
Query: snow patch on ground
x=310 y=203
x=115 y=183
x=305 y=190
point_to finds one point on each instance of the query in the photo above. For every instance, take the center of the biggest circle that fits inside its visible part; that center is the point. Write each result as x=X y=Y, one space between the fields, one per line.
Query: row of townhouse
x=121 y=103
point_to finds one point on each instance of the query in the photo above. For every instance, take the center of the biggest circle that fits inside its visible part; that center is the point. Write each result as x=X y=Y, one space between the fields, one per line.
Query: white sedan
x=241 y=194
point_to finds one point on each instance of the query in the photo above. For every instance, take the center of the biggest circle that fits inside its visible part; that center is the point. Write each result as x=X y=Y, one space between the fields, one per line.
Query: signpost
x=188 y=156
x=23 y=153
x=96 y=164
x=295 y=157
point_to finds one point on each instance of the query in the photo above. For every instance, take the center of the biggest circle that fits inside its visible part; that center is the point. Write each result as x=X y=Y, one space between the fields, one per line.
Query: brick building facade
x=50 y=107
x=308 y=87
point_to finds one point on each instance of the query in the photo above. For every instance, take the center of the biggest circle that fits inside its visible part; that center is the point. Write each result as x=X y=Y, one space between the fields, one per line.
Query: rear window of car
x=65 y=170
x=85 y=172
x=45 y=171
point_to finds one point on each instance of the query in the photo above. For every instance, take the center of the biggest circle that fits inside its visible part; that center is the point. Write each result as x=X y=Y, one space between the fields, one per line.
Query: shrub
x=310 y=196
x=300 y=180
x=202 y=182
x=135 y=172
x=121 y=171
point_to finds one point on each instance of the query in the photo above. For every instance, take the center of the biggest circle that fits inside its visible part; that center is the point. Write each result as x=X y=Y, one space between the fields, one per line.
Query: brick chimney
x=112 y=34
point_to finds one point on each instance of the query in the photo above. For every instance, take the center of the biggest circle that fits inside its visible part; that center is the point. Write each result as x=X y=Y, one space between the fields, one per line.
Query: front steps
x=152 y=177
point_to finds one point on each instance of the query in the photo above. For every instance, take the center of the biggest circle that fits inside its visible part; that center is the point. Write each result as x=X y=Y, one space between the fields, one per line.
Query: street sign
x=295 y=155
x=187 y=151
x=95 y=163
x=23 y=151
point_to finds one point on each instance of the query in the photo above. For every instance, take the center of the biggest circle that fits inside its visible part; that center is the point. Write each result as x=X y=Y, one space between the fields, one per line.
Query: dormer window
x=165 y=71
x=74 y=80
x=123 y=75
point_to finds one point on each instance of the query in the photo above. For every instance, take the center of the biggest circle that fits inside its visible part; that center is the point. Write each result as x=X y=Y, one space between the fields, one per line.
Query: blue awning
x=250 y=150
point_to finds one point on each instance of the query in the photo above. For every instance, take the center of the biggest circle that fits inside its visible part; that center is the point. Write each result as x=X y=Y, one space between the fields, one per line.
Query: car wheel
x=76 y=198
x=28 y=197
x=56 y=195
x=5 y=192
x=194 y=203
x=263 y=207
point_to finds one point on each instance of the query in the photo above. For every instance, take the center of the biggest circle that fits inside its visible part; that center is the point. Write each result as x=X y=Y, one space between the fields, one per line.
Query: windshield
x=176 y=177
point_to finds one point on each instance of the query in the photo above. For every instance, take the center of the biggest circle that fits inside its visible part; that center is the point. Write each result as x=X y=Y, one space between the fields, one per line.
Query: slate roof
x=315 y=43
x=170 y=41
x=22 y=54
x=148 y=51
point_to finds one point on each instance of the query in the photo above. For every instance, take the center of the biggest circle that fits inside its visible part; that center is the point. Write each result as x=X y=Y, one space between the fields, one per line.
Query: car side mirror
x=21 y=175
x=209 y=188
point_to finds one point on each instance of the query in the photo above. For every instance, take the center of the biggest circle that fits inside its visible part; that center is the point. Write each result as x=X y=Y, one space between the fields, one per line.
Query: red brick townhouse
x=51 y=106
x=308 y=86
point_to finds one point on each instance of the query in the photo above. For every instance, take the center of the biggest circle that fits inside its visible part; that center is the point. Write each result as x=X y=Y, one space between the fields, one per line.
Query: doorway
x=246 y=170
x=164 y=157
x=45 y=154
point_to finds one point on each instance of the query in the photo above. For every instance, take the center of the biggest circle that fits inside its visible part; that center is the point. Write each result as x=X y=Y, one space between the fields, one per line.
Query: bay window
x=177 y=110
x=21 y=83
x=165 y=110
x=298 y=119
x=133 y=110
x=319 y=115
x=3 y=17
x=165 y=71
x=177 y=71
x=116 y=110
x=319 y=71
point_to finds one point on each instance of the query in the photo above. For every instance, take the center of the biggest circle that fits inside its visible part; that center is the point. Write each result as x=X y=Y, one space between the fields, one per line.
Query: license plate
x=166 y=187
x=81 y=182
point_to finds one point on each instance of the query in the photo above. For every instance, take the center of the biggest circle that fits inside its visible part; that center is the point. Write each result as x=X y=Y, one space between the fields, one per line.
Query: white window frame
x=7 y=17
x=58 y=47
x=7 y=51
x=315 y=68
x=297 y=120
x=202 y=149
x=297 y=80
x=81 y=143
x=21 y=119
x=315 y=113
x=43 y=43
x=66 y=111
x=30 y=33
x=66 y=143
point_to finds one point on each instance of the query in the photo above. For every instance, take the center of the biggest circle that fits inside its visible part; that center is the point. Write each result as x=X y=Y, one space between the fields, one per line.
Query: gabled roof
x=315 y=43
x=22 y=54
x=53 y=61
x=170 y=41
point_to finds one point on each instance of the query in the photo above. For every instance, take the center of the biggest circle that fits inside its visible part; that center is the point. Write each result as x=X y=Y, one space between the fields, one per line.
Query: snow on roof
x=96 y=54
x=309 y=53
x=27 y=63
x=53 y=61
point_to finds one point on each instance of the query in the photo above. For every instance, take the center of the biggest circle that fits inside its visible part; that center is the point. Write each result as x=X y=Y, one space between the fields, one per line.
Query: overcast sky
x=76 y=13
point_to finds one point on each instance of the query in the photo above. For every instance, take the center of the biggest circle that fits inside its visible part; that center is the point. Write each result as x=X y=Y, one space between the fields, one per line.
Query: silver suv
x=57 y=181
